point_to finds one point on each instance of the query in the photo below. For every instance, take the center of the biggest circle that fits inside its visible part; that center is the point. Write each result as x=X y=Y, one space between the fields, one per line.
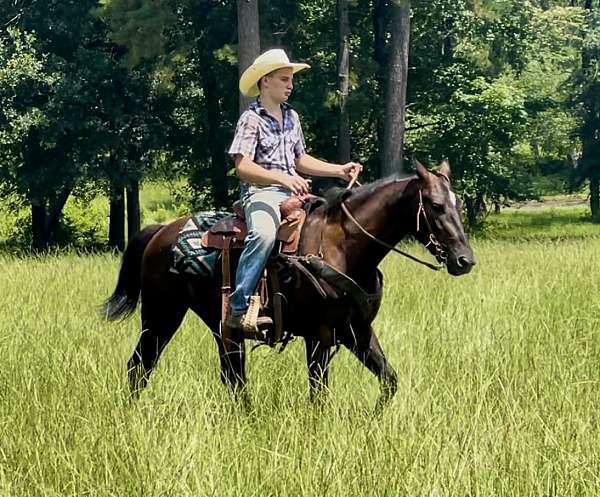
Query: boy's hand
x=351 y=170
x=295 y=183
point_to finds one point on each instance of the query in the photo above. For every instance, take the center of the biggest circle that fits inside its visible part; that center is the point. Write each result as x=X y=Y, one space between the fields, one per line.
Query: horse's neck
x=387 y=213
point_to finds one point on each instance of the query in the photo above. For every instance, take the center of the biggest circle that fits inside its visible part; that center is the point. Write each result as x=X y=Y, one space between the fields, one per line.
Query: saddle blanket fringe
x=189 y=256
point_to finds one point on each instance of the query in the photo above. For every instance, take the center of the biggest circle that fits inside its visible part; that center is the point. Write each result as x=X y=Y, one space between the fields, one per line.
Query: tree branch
x=419 y=126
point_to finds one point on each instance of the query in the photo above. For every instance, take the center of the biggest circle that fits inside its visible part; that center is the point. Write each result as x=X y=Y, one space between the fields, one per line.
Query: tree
x=45 y=124
x=590 y=107
x=343 y=65
x=248 y=39
x=195 y=51
x=395 y=91
x=27 y=86
x=80 y=123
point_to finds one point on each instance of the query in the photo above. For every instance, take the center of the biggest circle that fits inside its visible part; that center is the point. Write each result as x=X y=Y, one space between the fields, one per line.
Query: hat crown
x=273 y=56
x=266 y=63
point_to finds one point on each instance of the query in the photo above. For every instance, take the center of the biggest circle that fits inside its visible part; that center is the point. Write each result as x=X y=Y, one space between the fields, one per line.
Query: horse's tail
x=124 y=299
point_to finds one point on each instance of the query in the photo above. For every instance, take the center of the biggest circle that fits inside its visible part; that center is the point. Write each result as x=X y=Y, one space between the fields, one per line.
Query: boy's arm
x=307 y=164
x=250 y=172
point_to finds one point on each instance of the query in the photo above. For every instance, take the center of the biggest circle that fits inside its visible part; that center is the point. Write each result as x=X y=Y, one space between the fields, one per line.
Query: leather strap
x=295 y=261
x=226 y=284
x=387 y=245
x=277 y=304
x=364 y=302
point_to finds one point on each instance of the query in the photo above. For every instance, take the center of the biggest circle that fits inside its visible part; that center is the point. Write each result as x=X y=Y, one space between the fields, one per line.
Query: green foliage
x=15 y=224
x=84 y=225
x=138 y=25
x=586 y=98
x=492 y=94
x=27 y=83
x=477 y=130
x=112 y=92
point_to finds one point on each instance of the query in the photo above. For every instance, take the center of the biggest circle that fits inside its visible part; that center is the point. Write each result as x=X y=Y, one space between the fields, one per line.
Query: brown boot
x=257 y=330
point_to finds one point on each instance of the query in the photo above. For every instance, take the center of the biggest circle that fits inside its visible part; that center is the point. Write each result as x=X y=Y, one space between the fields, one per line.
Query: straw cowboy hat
x=264 y=64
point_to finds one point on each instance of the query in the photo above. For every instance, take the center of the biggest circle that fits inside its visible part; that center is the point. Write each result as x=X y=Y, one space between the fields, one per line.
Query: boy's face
x=278 y=85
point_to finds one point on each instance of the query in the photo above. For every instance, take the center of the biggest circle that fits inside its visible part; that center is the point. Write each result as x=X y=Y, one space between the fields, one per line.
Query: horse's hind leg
x=365 y=346
x=160 y=320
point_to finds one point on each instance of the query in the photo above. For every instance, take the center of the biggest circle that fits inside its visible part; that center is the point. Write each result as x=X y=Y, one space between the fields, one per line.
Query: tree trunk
x=45 y=218
x=38 y=226
x=395 y=98
x=248 y=39
x=471 y=205
x=116 y=226
x=133 y=209
x=595 y=198
x=343 y=80
x=379 y=32
x=55 y=209
x=447 y=48
x=216 y=146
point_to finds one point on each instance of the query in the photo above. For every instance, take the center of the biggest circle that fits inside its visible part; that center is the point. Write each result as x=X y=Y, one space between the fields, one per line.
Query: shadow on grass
x=558 y=223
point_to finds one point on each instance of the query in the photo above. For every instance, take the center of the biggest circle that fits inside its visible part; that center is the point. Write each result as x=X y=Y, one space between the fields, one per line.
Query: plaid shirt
x=259 y=137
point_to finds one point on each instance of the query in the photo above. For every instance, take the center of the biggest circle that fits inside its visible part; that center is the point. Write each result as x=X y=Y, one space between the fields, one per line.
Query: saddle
x=230 y=233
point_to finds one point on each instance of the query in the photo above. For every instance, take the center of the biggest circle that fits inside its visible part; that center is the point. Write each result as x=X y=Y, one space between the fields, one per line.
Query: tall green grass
x=538 y=224
x=498 y=390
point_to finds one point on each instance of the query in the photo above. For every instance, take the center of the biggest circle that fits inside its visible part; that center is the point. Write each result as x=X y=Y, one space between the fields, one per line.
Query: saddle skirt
x=231 y=231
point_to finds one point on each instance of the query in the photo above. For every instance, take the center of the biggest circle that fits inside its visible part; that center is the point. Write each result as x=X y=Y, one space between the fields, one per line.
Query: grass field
x=498 y=393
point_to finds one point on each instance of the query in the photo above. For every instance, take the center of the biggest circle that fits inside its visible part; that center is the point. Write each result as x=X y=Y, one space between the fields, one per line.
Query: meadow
x=498 y=386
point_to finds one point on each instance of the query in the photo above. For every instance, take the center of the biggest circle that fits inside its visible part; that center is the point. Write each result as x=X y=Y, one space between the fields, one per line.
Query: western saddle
x=230 y=233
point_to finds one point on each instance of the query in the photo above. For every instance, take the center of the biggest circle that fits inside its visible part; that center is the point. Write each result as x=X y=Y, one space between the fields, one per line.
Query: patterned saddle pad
x=189 y=256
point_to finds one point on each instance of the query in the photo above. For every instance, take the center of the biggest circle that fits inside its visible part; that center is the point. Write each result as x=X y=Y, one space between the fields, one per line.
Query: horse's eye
x=438 y=207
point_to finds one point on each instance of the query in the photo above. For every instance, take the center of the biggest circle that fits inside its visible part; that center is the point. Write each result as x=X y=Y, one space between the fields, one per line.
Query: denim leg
x=263 y=218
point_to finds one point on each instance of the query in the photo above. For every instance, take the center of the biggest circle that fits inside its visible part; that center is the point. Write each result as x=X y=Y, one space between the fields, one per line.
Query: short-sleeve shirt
x=259 y=137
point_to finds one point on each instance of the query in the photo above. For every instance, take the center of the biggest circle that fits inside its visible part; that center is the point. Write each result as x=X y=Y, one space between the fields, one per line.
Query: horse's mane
x=336 y=195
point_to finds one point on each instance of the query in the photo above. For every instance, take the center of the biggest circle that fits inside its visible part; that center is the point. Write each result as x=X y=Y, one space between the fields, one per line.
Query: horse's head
x=439 y=225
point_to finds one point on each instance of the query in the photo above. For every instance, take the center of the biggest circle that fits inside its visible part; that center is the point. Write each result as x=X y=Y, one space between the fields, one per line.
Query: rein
x=439 y=251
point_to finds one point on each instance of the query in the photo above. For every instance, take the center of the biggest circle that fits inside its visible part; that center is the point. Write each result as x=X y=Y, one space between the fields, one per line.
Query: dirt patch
x=561 y=202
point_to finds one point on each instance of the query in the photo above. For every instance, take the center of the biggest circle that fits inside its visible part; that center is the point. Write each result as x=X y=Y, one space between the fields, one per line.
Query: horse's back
x=158 y=254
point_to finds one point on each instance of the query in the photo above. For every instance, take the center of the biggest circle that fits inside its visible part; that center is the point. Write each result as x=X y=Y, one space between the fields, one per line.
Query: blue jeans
x=261 y=206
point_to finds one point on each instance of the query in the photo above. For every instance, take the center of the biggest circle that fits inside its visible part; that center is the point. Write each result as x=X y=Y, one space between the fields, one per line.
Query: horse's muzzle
x=460 y=264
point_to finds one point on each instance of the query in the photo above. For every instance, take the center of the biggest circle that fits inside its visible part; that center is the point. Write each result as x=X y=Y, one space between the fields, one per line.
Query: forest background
x=98 y=98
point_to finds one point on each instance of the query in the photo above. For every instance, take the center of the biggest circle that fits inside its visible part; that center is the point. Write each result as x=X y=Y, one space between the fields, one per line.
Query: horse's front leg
x=318 y=355
x=365 y=346
x=233 y=359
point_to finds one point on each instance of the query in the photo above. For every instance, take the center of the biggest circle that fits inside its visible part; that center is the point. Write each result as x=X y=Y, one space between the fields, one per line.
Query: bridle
x=440 y=253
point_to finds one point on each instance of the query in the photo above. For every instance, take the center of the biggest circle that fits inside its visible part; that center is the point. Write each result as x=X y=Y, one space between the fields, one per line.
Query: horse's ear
x=421 y=170
x=445 y=168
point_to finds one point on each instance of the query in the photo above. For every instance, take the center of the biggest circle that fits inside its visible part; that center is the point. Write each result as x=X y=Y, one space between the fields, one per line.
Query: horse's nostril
x=462 y=261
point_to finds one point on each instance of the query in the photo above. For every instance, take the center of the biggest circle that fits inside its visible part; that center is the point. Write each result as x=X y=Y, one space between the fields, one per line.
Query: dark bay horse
x=423 y=206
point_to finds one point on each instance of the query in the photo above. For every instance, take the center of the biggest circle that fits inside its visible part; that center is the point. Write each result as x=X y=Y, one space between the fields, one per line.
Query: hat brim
x=251 y=76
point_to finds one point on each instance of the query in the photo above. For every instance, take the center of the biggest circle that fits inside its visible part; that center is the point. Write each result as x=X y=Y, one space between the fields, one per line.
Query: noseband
x=440 y=253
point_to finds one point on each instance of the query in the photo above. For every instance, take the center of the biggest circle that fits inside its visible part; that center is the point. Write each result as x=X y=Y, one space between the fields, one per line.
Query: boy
x=268 y=150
